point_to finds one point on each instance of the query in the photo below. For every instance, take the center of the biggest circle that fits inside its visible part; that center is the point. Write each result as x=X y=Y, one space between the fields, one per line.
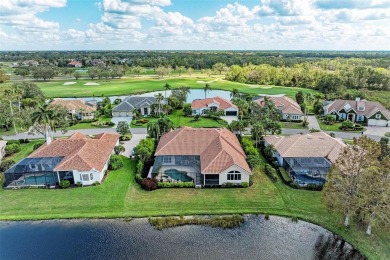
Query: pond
x=257 y=238
x=194 y=94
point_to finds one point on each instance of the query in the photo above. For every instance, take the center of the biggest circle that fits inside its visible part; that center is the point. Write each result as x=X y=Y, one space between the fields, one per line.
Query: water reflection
x=257 y=238
x=330 y=247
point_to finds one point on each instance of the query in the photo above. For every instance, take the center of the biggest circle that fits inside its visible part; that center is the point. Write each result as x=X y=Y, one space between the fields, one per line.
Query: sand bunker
x=266 y=87
x=201 y=81
x=91 y=84
x=69 y=83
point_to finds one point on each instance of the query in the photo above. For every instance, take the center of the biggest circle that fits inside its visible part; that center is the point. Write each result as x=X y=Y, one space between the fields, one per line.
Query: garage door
x=231 y=113
x=371 y=122
x=125 y=114
x=376 y=122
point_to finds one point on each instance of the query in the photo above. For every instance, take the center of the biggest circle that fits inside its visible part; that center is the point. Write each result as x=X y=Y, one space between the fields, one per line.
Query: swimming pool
x=304 y=179
x=40 y=180
x=177 y=175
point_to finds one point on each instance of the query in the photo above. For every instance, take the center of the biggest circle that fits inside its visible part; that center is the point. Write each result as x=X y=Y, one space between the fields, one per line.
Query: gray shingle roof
x=132 y=102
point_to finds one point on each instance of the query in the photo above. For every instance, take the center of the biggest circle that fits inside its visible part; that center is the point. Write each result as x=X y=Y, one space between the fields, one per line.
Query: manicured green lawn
x=179 y=119
x=335 y=127
x=26 y=149
x=88 y=125
x=125 y=86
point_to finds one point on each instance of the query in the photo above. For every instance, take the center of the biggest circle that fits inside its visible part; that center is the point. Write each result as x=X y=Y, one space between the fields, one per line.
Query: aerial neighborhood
x=123 y=140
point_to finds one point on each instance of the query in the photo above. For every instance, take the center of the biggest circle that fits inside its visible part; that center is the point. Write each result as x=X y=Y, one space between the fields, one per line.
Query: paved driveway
x=115 y=120
x=376 y=130
x=313 y=123
x=229 y=119
x=129 y=145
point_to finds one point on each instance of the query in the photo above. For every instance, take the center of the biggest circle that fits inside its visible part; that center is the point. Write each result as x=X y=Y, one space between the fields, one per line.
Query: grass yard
x=89 y=125
x=179 y=120
x=26 y=149
x=335 y=127
x=125 y=86
x=120 y=196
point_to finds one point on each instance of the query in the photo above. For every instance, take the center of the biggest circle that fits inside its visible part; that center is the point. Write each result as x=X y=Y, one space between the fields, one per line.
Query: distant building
x=79 y=159
x=359 y=111
x=290 y=110
x=201 y=106
x=75 y=64
x=127 y=106
x=78 y=109
x=30 y=63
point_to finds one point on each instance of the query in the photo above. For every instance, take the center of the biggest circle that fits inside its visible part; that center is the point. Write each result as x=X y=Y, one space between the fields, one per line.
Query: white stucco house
x=76 y=108
x=206 y=156
x=79 y=159
x=201 y=106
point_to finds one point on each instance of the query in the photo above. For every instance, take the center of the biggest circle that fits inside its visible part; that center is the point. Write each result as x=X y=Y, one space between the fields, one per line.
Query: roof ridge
x=215 y=157
x=231 y=145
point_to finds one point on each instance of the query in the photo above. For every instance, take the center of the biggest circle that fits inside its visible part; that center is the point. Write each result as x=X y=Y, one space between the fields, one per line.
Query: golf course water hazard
x=257 y=238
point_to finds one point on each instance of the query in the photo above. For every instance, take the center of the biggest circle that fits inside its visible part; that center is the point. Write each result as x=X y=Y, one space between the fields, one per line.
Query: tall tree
x=206 y=88
x=219 y=67
x=234 y=93
x=49 y=118
x=10 y=95
x=159 y=98
x=257 y=132
x=342 y=186
x=167 y=87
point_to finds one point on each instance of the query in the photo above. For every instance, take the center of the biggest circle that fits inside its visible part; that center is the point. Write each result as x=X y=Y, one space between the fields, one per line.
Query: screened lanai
x=307 y=170
x=33 y=172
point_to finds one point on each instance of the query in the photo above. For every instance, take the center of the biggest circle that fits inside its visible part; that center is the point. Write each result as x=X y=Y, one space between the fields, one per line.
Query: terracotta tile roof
x=223 y=103
x=218 y=148
x=283 y=103
x=80 y=152
x=74 y=104
x=74 y=63
x=307 y=145
x=370 y=107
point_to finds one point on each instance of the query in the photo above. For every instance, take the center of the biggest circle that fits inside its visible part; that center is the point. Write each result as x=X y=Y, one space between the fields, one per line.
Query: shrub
x=188 y=184
x=254 y=161
x=332 y=135
x=387 y=134
x=119 y=149
x=11 y=149
x=229 y=185
x=13 y=142
x=285 y=177
x=78 y=184
x=37 y=145
x=275 y=164
x=271 y=172
x=123 y=127
x=6 y=164
x=64 y=184
x=149 y=184
x=347 y=125
x=313 y=130
x=266 y=217
x=96 y=183
x=314 y=187
x=138 y=178
x=140 y=167
x=126 y=137
x=115 y=162
x=24 y=141
x=294 y=185
x=244 y=184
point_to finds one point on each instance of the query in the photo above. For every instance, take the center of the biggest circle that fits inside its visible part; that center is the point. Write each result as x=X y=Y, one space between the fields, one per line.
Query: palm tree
x=167 y=87
x=44 y=120
x=153 y=129
x=159 y=98
x=237 y=126
x=206 y=88
x=257 y=132
x=18 y=91
x=10 y=95
x=166 y=125
x=234 y=93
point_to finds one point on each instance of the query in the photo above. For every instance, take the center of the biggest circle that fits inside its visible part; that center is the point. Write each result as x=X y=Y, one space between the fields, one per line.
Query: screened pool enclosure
x=35 y=172
x=305 y=171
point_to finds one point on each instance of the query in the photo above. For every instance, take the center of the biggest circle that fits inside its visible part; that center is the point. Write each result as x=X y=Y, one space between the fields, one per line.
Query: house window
x=91 y=175
x=234 y=176
x=295 y=117
x=378 y=116
x=360 y=108
x=167 y=159
x=85 y=177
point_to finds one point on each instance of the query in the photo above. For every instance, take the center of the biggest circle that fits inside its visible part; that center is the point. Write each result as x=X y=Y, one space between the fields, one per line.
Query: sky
x=194 y=25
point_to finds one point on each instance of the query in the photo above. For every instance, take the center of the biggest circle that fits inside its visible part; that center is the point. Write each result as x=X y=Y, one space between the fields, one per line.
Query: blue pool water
x=178 y=175
x=303 y=179
x=40 y=180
